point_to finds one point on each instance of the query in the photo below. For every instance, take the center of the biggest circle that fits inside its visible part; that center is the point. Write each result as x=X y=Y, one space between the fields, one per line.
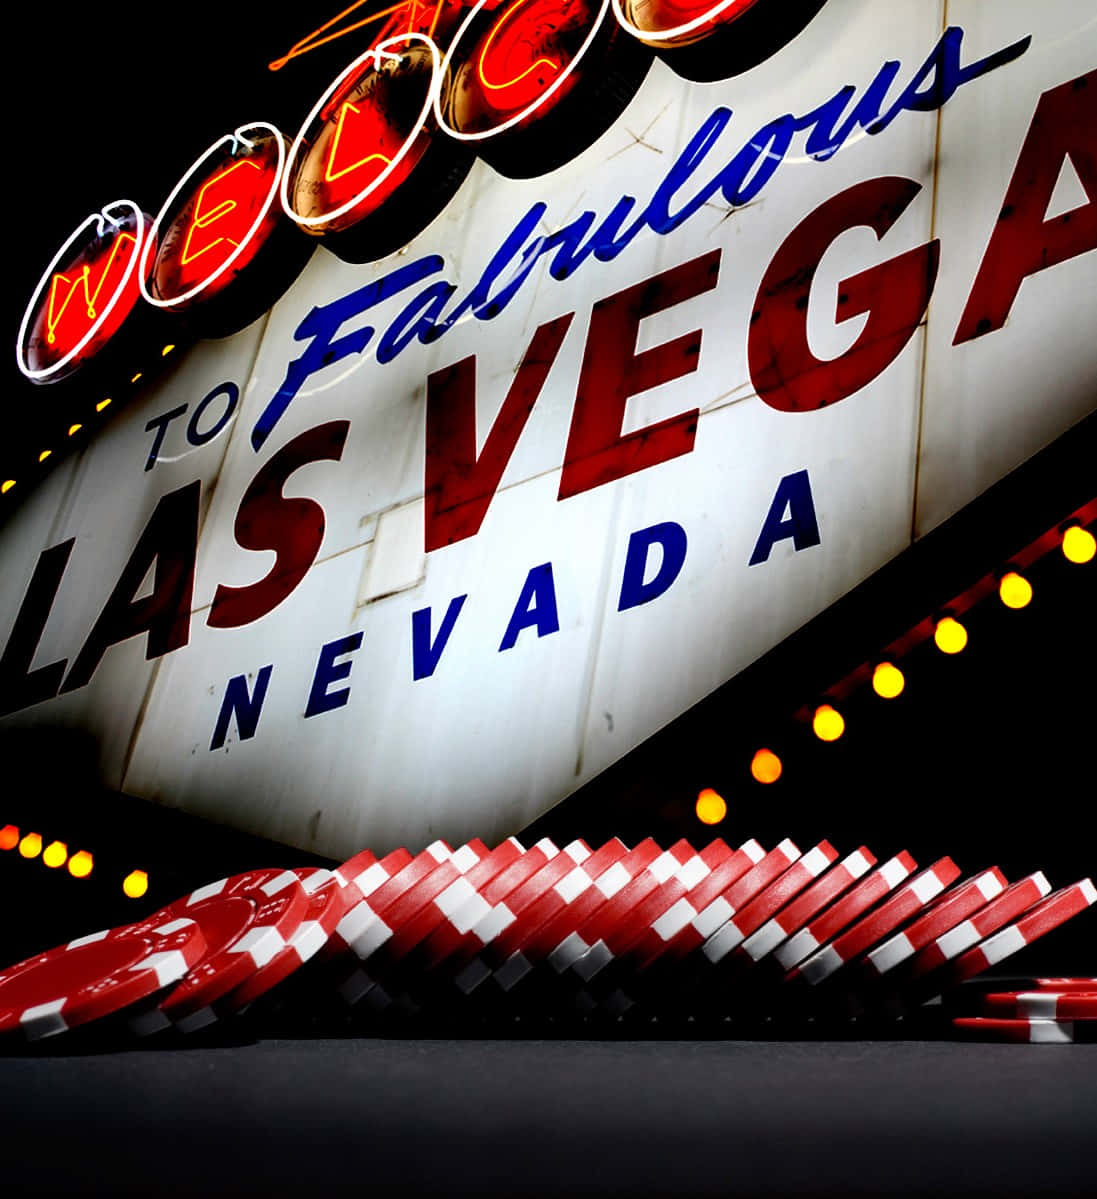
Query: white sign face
x=441 y=582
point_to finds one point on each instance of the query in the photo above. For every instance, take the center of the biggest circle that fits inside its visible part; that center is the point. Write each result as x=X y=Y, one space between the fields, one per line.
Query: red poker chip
x=878 y=923
x=852 y=904
x=749 y=919
x=823 y=892
x=1042 y=1005
x=470 y=970
x=246 y=919
x=949 y=910
x=505 y=956
x=97 y=975
x=988 y=919
x=1041 y=919
x=1029 y=1032
x=329 y=900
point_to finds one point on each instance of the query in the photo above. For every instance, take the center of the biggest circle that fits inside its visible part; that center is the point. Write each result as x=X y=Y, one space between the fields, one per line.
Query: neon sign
x=85 y=294
x=676 y=22
x=364 y=136
x=524 y=61
x=206 y=235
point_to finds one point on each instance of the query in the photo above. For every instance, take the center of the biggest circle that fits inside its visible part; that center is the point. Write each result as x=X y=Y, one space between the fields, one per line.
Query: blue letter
x=194 y=435
x=793 y=493
x=322 y=323
x=424 y=652
x=634 y=591
x=329 y=671
x=160 y=424
x=536 y=607
x=246 y=708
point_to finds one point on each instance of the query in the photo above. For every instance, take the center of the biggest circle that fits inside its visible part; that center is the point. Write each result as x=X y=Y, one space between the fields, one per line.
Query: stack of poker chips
x=742 y=937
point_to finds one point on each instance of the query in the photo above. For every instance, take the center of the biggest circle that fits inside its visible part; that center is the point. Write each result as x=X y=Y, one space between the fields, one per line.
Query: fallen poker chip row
x=614 y=934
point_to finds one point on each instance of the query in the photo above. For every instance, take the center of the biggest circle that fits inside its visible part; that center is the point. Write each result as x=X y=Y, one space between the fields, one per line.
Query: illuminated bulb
x=55 y=854
x=711 y=808
x=75 y=429
x=136 y=377
x=31 y=845
x=766 y=766
x=950 y=635
x=102 y=404
x=1015 y=590
x=44 y=455
x=9 y=836
x=80 y=864
x=6 y=486
x=135 y=884
x=166 y=351
x=1079 y=545
x=828 y=723
x=888 y=680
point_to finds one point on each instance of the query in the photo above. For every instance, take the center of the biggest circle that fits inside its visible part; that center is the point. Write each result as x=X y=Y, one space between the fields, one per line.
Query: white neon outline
x=545 y=96
x=235 y=138
x=657 y=36
x=376 y=54
x=96 y=218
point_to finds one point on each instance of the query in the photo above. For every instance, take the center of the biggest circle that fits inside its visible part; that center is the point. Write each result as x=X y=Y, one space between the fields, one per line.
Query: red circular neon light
x=85 y=295
x=363 y=142
x=669 y=23
x=218 y=219
x=522 y=64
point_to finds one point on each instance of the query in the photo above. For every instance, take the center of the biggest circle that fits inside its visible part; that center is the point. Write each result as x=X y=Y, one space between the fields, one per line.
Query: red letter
x=267 y=520
x=170 y=539
x=1064 y=126
x=895 y=294
x=459 y=486
x=612 y=372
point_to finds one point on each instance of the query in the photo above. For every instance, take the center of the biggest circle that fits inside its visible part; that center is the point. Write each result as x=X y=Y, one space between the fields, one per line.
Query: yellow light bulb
x=55 y=854
x=1015 y=590
x=135 y=884
x=31 y=845
x=950 y=635
x=888 y=680
x=9 y=836
x=6 y=486
x=44 y=455
x=80 y=864
x=102 y=404
x=711 y=808
x=136 y=377
x=1079 y=545
x=765 y=766
x=74 y=429
x=166 y=351
x=828 y=723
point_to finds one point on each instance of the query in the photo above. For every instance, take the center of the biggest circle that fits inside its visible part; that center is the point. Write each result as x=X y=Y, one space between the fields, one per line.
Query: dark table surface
x=561 y=1117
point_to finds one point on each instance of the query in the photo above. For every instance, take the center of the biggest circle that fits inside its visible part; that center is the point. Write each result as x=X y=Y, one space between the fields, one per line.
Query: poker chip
x=660 y=954
x=246 y=921
x=1031 y=1032
x=1039 y=920
x=854 y=903
x=97 y=975
x=542 y=934
x=329 y=899
x=791 y=918
x=607 y=933
x=878 y=923
x=1042 y=1005
x=946 y=913
x=988 y=919
x=524 y=902
x=556 y=940
x=749 y=919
